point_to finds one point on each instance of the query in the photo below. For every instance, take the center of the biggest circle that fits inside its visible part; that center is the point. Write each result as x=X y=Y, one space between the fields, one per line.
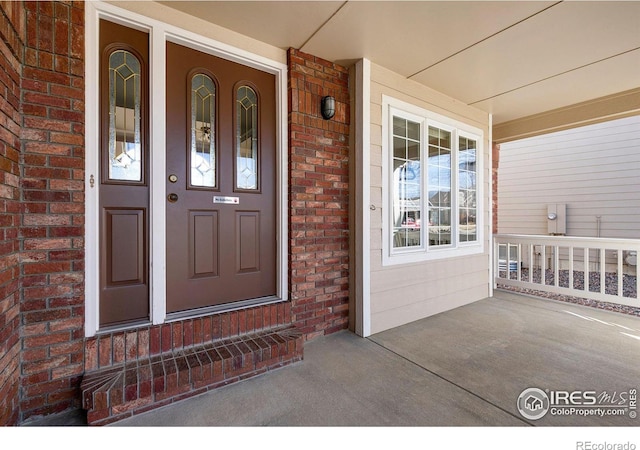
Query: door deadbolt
x=173 y=178
x=173 y=197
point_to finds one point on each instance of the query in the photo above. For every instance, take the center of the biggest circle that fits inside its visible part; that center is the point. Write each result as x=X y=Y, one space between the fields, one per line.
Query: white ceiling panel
x=282 y=24
x=410 y=36
x=510 y=58
x=568 y=36
x=567 y=89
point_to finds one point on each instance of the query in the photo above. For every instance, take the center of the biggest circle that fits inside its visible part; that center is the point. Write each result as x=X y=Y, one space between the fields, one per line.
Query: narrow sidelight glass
x=125 y=145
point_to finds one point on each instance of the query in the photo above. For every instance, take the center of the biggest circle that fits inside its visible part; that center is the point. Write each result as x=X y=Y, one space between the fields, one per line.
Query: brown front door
x=220 y=187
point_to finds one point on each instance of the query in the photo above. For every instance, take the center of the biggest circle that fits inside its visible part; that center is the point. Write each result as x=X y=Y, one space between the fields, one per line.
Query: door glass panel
x=203 y=146
x=246 y=139
x=125 y=146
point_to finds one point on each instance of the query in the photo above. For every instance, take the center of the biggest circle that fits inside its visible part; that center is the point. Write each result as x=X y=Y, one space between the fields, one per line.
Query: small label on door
x=227 y=200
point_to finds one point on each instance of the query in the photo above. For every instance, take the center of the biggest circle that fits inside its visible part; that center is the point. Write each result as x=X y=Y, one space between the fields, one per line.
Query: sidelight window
x=125 y=143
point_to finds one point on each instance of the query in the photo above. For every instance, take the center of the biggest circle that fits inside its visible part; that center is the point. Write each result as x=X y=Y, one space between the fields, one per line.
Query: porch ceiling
x=511 y=58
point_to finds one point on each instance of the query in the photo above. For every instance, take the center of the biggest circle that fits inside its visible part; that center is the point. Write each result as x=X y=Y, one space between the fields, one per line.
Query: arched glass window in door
x=203 y=142
x=125 y=145
x=246 y=139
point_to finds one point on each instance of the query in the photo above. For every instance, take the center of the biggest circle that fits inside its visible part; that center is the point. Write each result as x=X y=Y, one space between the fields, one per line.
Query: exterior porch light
x=328 y=107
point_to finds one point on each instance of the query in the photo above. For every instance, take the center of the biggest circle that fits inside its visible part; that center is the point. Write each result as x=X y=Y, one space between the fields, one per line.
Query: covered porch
x=465 y=367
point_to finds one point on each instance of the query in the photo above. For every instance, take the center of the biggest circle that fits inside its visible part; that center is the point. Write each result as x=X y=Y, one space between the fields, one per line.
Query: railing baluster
x=571 y=267
x=519 y=268
x=556 y=262
x=620 y=273
x=603 y=264
x=543 y=265
x=586 y=269
x=531 y=251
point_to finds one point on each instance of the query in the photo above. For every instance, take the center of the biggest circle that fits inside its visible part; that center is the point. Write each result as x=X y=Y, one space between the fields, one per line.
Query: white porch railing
x=595 y=268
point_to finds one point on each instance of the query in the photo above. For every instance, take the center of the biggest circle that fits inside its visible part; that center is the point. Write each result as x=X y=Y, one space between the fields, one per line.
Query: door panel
x=125 y=255
x=221 y=240
x=248 y=241
x=205 y=257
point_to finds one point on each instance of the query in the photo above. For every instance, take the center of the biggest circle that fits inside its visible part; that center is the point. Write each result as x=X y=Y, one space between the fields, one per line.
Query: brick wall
x=318 y=195
x=11 y=51
x=52 y=227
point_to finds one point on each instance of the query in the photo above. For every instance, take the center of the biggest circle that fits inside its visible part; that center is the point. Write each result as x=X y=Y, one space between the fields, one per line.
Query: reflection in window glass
x=407 y=193
x=246 y=139
x=439 y=187
x=467 y=188
x=125 y=146
x=203 y=147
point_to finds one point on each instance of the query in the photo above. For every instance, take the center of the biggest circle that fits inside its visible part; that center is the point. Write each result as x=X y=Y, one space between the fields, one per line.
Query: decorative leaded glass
x=246 y=139
x=125 y=145
x=203 y=145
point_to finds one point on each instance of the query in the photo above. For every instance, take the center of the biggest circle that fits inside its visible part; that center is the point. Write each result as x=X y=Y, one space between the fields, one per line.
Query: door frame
x=159 y=34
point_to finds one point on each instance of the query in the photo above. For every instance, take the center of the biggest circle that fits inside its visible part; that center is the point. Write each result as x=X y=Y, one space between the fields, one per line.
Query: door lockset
x=172 y=197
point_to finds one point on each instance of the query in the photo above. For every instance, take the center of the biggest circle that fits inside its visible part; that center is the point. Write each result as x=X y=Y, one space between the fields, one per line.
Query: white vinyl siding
x=403 y=293
x=594 y=170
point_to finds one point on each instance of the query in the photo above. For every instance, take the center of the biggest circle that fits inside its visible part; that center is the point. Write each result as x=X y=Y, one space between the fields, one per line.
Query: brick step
x=113 y=393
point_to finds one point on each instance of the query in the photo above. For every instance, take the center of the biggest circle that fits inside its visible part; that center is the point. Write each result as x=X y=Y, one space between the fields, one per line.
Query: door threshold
x=226 y=307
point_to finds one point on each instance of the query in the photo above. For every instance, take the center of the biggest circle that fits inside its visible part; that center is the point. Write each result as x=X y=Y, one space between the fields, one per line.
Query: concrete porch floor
x=465 y=367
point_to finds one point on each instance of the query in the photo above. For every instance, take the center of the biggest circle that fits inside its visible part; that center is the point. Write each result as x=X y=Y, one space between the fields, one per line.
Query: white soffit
x=567 y=89
x=282 y=24
x=509 y=58
x=407 y=37
x=562 y=42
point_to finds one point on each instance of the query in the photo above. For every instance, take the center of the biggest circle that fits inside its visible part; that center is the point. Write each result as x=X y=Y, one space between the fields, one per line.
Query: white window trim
x=390 y=256
x=159 y=34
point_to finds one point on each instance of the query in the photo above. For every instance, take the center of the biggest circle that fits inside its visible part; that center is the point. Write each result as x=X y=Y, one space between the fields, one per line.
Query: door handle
x=172 y=197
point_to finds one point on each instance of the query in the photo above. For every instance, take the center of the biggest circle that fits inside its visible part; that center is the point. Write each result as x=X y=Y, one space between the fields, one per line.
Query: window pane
x=246 y=139
x=439 y=186
x=125 y=144
x=406 y=187
x=203 y=142
x=467 y=191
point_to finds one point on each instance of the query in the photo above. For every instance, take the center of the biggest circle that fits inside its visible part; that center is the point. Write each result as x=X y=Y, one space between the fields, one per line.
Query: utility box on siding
x=557 y=218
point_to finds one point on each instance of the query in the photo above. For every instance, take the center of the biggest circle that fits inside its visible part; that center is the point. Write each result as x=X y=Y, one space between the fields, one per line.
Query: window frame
x=392 y=107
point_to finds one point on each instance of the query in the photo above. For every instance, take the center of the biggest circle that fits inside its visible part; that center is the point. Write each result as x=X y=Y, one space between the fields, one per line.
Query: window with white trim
x=433 y=177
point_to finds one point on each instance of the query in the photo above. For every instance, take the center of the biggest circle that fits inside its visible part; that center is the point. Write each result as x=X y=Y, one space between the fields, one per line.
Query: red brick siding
x=318 y=195
x=11 y=49
x=52 y=228
x=120 y=347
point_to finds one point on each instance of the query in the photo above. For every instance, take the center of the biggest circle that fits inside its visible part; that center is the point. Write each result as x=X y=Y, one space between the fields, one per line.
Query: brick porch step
x=113 y=393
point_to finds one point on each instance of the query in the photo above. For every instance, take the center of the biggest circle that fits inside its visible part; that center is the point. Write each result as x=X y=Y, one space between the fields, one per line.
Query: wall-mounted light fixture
x=328 y=107
x=552 y=216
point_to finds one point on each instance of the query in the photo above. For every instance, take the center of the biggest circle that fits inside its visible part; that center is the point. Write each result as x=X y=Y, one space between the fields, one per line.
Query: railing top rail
x=567 y=240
